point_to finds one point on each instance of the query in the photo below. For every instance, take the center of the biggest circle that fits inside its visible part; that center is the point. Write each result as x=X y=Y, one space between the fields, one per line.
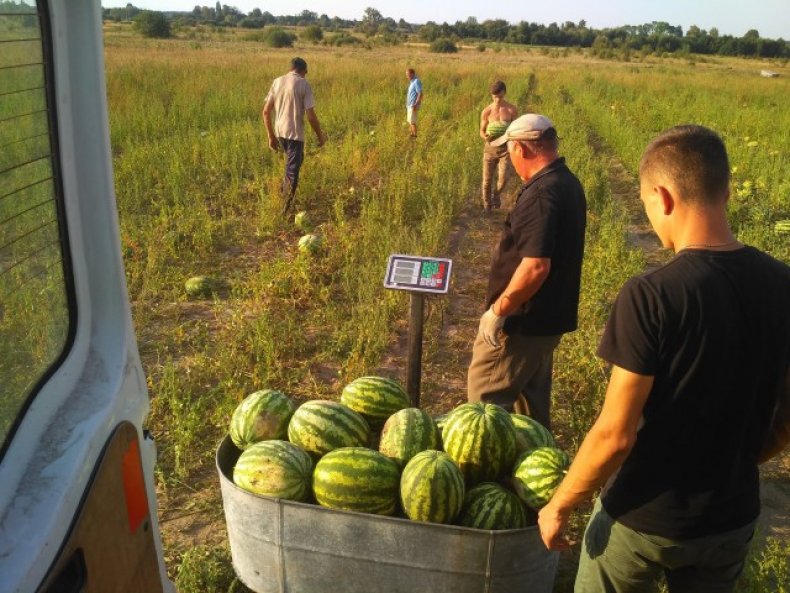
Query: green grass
x=197 y=194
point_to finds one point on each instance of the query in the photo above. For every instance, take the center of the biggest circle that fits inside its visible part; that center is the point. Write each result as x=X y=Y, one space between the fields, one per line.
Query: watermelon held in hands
x=320 y=426
x=496 y=128
x=357 y=479
x=491 y=506
x=538 y=473
x=309 y=243
x=406 y=433
x=275 y=468
x=261 y=416
x=481 y=439
x=376 y=398
x=199 y=287
x=432 y=488
x=530 y=434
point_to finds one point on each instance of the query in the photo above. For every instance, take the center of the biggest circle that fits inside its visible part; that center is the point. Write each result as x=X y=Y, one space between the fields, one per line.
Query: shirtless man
x=495 y=157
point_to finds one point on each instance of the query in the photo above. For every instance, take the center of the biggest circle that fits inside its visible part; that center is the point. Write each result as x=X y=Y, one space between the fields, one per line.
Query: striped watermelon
x=491 y=506
x=320 y=426
x=261 y=416
x=357 y=479
x=538 y=473
x=275 y=468
x=481 y=439
x=376 y=398
x=530 y=433
x=432 y=488
x=406 y=433
x=496 y=128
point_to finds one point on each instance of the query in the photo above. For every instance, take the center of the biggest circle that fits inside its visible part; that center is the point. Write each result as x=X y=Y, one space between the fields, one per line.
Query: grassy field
x=197 y=194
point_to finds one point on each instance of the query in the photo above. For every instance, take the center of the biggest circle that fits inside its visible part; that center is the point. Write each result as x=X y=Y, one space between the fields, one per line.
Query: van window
x=35 y=317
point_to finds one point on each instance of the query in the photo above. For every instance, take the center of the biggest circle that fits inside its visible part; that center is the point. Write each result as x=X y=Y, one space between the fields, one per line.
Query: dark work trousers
x=294 y=156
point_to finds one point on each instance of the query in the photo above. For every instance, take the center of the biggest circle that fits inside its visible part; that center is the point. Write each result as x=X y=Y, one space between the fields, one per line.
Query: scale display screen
x=418 y=274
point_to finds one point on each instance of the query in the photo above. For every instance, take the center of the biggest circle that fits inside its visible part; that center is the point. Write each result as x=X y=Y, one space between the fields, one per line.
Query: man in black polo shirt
x=533 y=287
x=699 y=393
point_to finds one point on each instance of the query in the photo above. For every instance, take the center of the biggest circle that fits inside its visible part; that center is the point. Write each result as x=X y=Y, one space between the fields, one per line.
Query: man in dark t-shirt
x=699 y=393
x=533 y=287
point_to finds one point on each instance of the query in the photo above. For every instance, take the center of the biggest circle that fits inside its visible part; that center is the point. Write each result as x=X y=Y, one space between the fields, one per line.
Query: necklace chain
x=710 y=245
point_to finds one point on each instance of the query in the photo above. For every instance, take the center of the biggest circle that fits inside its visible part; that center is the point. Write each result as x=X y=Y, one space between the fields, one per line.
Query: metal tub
x=279 y=546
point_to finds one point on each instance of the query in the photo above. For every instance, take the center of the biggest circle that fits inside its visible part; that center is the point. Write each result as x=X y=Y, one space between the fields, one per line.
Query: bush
x=313 y=34
x=443 y=46
x=342 y=39
x=152 y=24
x=279 y=38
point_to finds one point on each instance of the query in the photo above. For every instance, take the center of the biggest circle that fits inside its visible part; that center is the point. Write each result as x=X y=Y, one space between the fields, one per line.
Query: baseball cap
x=527 y=127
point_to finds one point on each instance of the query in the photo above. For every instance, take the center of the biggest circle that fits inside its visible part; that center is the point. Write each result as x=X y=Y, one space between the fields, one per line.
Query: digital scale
x=418 y=276
x=412 y=273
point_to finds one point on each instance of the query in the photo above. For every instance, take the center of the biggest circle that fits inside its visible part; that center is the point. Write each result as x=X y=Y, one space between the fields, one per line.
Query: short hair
x=693 y=158
x=410 y=70
x=299 y=65
x=498 y=87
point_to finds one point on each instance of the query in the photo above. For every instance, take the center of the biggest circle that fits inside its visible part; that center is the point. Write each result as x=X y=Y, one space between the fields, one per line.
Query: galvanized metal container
x=280 y=546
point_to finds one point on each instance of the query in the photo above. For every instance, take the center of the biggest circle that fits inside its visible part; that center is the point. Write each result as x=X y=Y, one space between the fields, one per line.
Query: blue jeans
x=294 y=157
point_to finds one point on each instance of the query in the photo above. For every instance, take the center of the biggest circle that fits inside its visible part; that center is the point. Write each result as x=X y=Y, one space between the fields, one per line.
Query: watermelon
x=309 y=243
x=406 y=433
x=538 y=473
x=496 y=128
x=530 y=433
x=782 y=227
x=491 y=506
x=275 y=468
x=199 y=287
x=261 y=416
x=432 y=488
x=302 y=220
x=320 y=426
x=481 y=439
x=376 y=398
x=357 y=479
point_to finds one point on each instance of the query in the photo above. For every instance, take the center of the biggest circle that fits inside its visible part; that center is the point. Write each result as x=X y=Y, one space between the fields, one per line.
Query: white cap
x=527 y=127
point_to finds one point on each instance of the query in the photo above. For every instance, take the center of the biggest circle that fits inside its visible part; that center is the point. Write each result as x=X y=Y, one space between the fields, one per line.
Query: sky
x=731 y=17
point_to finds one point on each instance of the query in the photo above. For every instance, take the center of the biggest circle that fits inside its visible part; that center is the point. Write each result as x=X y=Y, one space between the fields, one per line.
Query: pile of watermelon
x=476 y=466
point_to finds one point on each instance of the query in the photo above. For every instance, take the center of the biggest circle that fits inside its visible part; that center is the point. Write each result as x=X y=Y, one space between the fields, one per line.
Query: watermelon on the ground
x=260 y=416
x=376 y=398
x=406 y=433
x=309 y=243
x=432 y=488
x=538 y=473
x=492 y=506
x=530 y=433
x=199 y=286
x=275 y=468
x=302 y=220
x=320 y=426
x=496 y=128
x=481 y=439
x=357 y=479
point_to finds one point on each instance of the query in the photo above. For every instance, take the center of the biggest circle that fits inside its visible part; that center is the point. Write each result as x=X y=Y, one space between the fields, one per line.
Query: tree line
x=658 y=36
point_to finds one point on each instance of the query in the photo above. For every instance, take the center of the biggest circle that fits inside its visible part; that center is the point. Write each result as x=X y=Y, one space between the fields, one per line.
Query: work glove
x=490 y=324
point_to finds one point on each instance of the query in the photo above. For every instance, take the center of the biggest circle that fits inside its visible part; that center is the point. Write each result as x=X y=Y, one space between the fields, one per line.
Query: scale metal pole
x=414 y=368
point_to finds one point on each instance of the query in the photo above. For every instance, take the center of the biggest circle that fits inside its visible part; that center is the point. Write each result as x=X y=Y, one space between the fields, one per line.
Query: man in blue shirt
x=413 y=100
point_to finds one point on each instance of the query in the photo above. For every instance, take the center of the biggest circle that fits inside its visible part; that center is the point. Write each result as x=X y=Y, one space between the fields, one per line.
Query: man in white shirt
x=290 y=97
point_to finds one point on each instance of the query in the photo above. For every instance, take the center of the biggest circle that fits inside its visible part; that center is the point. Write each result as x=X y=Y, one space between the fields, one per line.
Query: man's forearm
x=526 y=281
x=267 y=121
x=314 y=123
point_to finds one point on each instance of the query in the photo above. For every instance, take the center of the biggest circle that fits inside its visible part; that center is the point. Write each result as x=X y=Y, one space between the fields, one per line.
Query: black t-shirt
x=547 y=221
x=713 y=328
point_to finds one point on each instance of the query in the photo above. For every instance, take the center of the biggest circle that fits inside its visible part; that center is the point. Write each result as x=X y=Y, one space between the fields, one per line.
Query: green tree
x=152 y=24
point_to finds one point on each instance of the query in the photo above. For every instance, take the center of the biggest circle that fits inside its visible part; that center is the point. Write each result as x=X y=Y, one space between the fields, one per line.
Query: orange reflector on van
x=134 y=487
